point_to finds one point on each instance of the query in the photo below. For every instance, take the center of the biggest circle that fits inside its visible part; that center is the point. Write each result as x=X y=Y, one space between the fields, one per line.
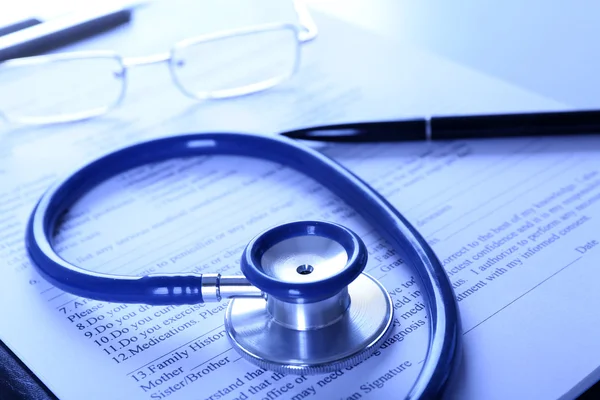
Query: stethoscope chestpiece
x=320 y=313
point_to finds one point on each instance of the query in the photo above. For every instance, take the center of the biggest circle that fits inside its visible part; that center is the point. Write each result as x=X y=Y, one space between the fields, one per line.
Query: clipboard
x=17 y=381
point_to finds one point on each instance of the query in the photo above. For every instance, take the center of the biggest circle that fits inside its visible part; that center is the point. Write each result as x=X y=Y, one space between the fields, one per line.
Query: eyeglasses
x=74 y=86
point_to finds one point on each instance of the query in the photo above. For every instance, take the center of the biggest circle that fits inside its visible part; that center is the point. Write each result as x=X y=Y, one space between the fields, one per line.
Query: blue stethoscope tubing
x=444 y=348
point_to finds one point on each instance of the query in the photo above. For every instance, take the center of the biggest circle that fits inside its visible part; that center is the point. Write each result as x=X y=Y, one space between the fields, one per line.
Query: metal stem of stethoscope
x=216 y=287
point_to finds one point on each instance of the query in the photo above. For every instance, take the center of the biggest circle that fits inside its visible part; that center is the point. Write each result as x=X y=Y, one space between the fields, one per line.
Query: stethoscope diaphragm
x=321 y=312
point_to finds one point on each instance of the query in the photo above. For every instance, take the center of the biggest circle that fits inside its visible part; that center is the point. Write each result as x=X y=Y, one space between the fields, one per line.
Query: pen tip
x=294 y=134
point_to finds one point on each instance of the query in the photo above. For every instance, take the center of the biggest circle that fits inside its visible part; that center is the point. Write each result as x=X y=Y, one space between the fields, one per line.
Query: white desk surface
x=547 y=47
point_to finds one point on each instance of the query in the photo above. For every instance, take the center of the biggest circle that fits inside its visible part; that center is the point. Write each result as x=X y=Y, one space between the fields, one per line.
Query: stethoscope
x=304 y=304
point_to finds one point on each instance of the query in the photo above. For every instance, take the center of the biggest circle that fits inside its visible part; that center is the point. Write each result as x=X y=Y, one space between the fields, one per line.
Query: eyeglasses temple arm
x=309 y=28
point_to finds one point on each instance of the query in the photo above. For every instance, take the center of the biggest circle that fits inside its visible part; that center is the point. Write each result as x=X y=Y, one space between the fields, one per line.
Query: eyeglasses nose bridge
x=146 y=60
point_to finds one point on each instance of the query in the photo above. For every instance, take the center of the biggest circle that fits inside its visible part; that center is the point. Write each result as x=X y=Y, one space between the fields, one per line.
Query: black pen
x=456 y=127
x=50 y=35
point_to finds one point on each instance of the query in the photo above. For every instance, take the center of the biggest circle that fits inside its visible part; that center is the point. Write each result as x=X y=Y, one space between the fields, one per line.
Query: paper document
x=512 y=220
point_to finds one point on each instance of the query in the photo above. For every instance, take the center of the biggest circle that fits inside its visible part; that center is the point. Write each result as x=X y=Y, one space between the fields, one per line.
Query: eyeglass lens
x=62 y=89
x=235 y=65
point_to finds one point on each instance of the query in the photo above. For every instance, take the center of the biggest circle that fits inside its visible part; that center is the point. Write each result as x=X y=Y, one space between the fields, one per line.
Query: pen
x=456 y=127
x=61 y=31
